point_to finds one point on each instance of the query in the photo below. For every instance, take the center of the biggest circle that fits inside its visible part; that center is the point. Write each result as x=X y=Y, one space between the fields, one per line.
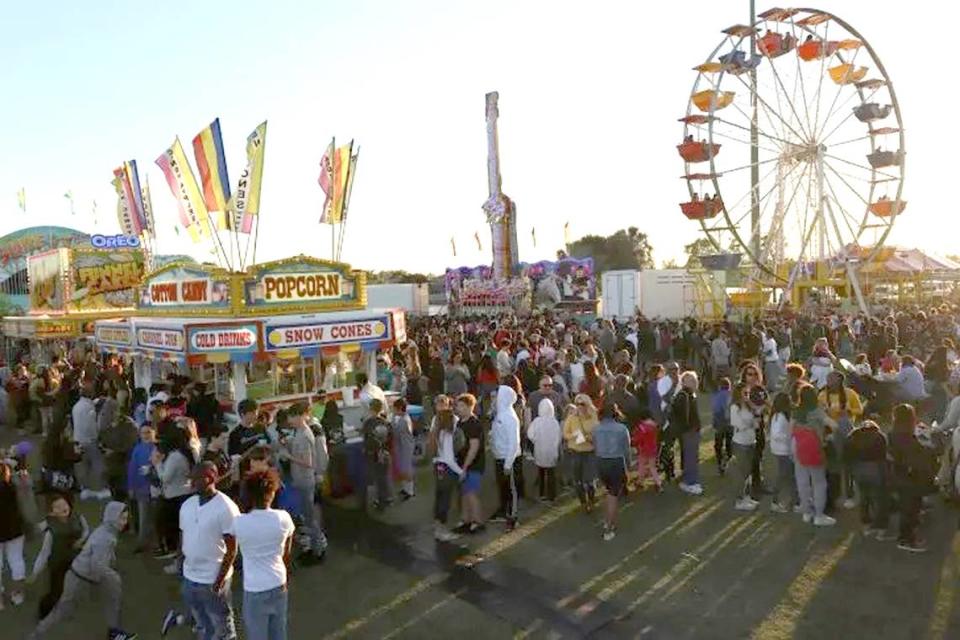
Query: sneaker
x=87 y=494
x=442 y=534
x=171 y=620
x=807 y=518
x=512 y=524
x=686 y=488
x=173 y=568
x=164 y=554
x=499 y=516
x=609 y=534
x=697 y=489
x=913 y=547
x=462 y=527
x=883 y=536
x=776 y=507
x=477 y=527
x=116 y=634
x=16 y=598
x=404 y=496
x=104 y=495
x=745 y=505
x=797 y=509
x=824 y=521
x=849 y=503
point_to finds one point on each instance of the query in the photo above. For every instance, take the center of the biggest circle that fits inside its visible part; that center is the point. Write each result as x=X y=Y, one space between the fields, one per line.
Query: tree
x=670 y=264
x=626 y=249
x=397 y=277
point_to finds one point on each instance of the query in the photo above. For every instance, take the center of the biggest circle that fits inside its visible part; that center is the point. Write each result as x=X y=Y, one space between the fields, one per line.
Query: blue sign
x=120 y=241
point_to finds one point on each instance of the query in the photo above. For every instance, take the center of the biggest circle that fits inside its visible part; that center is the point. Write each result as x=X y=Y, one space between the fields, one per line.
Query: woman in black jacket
x=913 y=470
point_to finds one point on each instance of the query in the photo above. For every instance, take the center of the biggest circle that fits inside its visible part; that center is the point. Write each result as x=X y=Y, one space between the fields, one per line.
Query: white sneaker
x=849 y=503
x=87 y=494
x=697 y=489
x=104 y=495
x=776 y=507
x=807 y=518
x=689 y=489
x=16 y=598
x=824 y=521
x=173 y=568
x=745 y=505
x=797 y=509
x=442 y=534
x=609 y=534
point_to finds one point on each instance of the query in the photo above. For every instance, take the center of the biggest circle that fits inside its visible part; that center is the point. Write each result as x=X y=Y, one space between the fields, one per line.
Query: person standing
x=505 y=442
x=866 y=452
x=265 y=539
x=612 y=443
x=139 y=488
x=209 y=549
x=473 y=463
x=376 y=446
x=809 y=432
x=781 y=439
x=13 y=528
x=722 y=431
x=545 y=434
x=578 y=435
x=249 y=433
x=305 y=464
x=85 y=434
x=912 y=476
x=403 y=445
x=685 y=423
x=744 y=424
x=93 y=570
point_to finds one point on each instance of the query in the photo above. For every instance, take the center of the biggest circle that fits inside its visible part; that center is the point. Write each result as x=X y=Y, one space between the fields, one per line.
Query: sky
x=590 y=94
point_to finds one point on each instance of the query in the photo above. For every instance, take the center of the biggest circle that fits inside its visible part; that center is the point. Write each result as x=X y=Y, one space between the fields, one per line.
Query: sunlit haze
x=590 y=94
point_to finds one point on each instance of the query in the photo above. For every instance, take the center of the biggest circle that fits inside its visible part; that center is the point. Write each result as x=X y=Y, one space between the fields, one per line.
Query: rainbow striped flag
x=129 y=216
x=208 y=150
x=133 y=178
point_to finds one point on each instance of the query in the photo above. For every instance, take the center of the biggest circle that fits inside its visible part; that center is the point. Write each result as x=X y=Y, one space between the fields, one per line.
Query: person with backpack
x=685 y=423
x=376 y=446
x=809 y=434
x=446 y=441
x=866 y=455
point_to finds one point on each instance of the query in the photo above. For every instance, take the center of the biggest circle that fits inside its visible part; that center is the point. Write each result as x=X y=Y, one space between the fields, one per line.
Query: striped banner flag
x=183 y=185
x=246 y=204
x=212 y=164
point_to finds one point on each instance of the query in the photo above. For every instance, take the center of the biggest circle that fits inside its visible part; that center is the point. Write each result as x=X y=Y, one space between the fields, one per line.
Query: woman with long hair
x=752 y=377
x=578 y=436
x=809 y=434
x=745 y=426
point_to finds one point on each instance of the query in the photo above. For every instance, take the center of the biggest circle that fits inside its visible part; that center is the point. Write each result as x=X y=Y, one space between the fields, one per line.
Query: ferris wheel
x=793 y=144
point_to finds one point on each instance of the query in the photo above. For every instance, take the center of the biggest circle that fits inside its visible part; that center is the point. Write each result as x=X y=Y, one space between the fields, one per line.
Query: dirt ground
x=680 y=567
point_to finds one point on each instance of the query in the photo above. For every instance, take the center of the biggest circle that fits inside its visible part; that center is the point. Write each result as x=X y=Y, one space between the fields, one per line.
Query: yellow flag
x=341 y=171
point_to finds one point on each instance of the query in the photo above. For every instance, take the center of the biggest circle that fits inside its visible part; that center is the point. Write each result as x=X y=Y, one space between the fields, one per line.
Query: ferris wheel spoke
x=849 y=115
x=746 y=142
x=776 y=227
x=834 y=107
x=793 y=108
x=765 y=104
x=870 y=170
x=850 y=141
x=716 y=87
x=848 y=219
x=760 y=201
x=747 y=166
x=760 y=132
x=823 y=65
x=847 y=184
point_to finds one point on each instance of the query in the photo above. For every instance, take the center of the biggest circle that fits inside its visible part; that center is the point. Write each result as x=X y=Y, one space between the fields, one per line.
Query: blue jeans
x=690 y=452
x=265 y=614
x=212 y=612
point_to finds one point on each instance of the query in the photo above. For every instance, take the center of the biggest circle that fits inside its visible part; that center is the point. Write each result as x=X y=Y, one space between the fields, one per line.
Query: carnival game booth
x=71 y=288
x=280 y=332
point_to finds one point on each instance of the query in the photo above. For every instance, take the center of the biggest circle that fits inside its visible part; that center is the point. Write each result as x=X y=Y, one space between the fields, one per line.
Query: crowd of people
x=837 y=405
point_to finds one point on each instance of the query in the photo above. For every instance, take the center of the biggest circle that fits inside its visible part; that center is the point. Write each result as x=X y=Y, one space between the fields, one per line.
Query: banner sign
x=186 y=288
x=302 y=284
x=120 y=241
x=160 y=339
x=114 y=334
x=224 y=338
x=105 y=280
x=45 y=276
x=325 y=334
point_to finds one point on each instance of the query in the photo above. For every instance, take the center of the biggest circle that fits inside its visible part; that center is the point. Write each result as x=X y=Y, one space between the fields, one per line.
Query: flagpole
x=256 y=236
x=216 y=236
x=351 y=166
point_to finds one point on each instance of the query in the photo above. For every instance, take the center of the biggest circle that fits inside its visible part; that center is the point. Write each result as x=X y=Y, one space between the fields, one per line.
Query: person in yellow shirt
x=578 y=437
x=844 y=406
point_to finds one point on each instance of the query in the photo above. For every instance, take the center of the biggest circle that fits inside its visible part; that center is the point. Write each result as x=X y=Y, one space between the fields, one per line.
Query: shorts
x=612 y=474
x=471 y=483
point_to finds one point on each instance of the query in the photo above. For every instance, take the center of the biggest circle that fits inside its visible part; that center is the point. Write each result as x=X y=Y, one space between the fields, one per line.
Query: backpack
x=809 y=450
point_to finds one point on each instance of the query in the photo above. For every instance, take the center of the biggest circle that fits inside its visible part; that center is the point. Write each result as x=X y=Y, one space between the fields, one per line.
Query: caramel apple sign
x=223 y=339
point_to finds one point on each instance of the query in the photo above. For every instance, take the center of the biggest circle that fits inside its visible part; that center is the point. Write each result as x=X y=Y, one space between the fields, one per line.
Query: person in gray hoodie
x=505 y=443
x=86 y=434
x=94 y=570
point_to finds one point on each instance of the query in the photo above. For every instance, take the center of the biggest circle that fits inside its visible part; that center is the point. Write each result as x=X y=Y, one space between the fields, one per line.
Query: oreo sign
x=119 y=241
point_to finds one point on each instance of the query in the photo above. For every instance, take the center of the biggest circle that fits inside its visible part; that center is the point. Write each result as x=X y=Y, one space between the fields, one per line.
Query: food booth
x=69 y=289
x=279 y=332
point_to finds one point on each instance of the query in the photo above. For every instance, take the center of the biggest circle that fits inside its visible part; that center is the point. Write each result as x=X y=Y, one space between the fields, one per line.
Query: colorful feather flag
x=124 y=212
x=183 y=185
x=22 y=199
x=325 y=180
x=246 y=204
x=212 y=164
x=133 y=178
x=341 y=171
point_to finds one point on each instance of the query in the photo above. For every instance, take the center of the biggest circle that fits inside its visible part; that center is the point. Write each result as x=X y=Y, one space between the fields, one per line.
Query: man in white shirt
x=369 y=391
x=265 y=538
x=209 y=549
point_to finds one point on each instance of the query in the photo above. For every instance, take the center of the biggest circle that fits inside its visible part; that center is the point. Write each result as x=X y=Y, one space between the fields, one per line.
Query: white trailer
x=621 y=294
x=412 y=298
x=669 y=294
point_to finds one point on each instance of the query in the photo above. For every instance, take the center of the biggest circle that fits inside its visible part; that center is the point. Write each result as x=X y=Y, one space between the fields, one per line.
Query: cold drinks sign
x=224 y=338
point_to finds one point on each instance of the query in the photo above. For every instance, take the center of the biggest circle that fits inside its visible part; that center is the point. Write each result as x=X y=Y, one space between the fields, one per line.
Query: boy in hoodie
x=505 y=443
x=93 y=569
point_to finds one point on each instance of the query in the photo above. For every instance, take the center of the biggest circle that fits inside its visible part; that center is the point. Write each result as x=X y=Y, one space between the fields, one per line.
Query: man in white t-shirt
x=265 y=538
x=209 y=549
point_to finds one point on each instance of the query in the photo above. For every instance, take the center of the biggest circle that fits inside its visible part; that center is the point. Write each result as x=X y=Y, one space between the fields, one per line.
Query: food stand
x=279 y=332
x=71 y=288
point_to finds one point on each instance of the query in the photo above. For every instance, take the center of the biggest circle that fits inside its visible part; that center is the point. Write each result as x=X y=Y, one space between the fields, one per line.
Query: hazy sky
x=589 y=97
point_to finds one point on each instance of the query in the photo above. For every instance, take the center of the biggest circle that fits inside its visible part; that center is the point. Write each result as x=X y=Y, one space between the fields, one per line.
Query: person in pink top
x=644 y=440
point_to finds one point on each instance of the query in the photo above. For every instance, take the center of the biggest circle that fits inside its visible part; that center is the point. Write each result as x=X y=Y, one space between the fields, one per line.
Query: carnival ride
x=794 y=153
